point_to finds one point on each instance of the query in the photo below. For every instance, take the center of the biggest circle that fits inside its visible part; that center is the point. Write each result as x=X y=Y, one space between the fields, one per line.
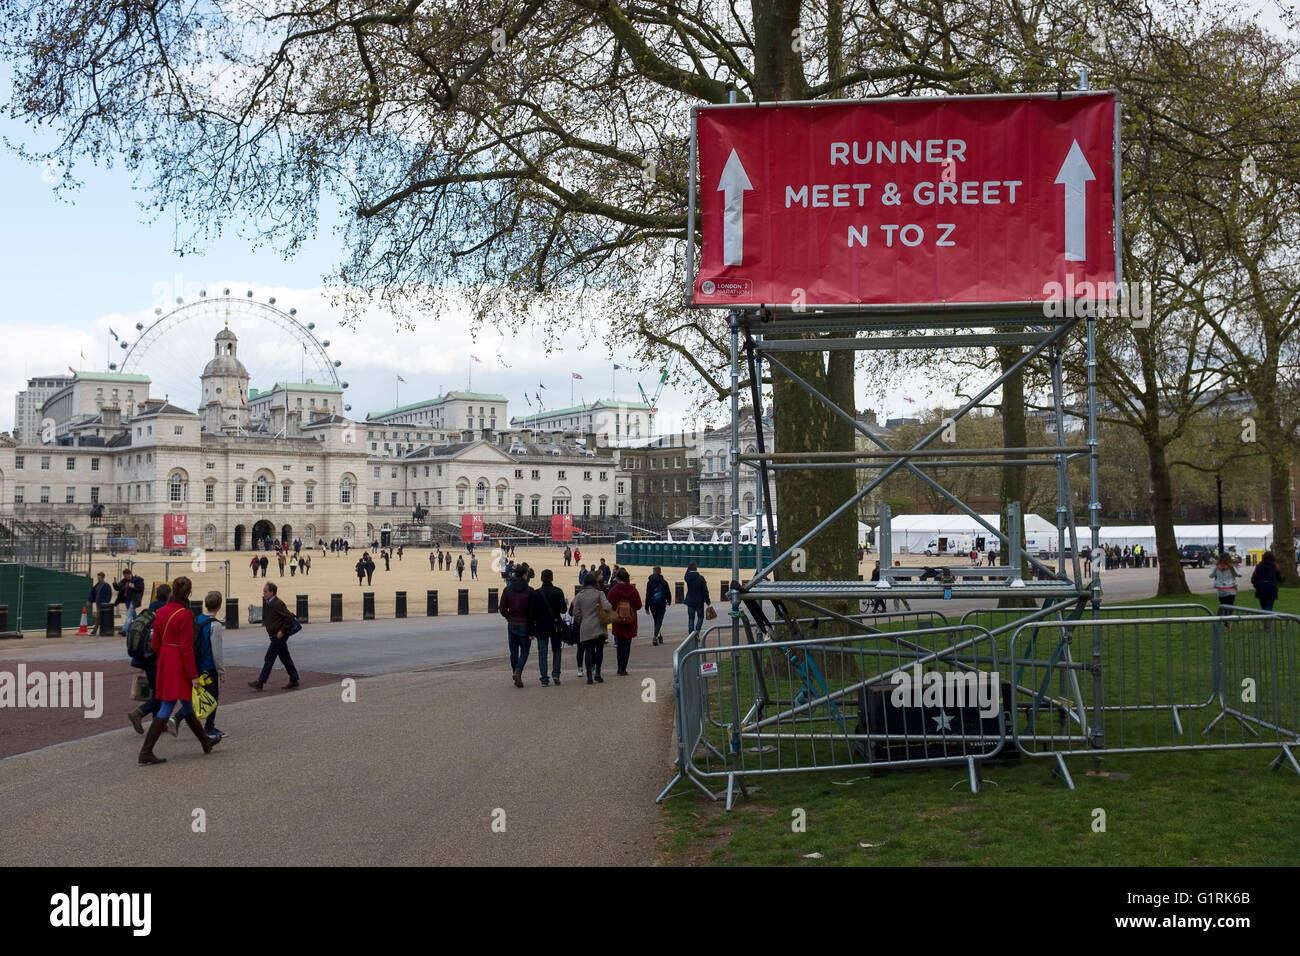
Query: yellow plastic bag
x=204 y=702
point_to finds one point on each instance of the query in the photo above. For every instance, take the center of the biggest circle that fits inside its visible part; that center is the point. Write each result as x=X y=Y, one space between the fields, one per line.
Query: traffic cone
x=83 y=631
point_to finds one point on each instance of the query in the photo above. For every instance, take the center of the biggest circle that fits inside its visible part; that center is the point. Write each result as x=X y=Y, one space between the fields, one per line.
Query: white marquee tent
x=912 y=534
x=1245 y=537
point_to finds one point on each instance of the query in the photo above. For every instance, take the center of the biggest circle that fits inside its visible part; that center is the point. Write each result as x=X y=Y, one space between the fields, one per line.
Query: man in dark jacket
x=605 y=573
x=696 y=597
x=262 y=562
x=370 y=568
x=101 y=592
x=547 y=615
x=278 y=622
x=516 y=607
x=657 y=598
x=1265 y=581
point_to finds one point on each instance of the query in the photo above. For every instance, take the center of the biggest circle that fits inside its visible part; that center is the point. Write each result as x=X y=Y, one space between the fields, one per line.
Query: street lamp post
x=1218 y=487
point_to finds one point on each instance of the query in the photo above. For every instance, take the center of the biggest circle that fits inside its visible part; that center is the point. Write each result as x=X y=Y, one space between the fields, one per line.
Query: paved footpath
x=414 y=772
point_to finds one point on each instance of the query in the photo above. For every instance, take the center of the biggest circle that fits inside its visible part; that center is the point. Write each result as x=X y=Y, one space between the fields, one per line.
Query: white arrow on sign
x=732 y=183
x=1075 y=172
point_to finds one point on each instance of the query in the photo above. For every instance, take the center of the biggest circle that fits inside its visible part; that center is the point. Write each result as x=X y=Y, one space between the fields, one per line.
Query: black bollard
x=367 y=605
x=492 y=600
x=462 y=601
x=680 y=591
x=232 y=613
x=107 y=620
x=54 y=620
x=196 y=608
x=301 y=613
x=4 y=618
x=336 y=607
x=399 y=603
x=431 y=603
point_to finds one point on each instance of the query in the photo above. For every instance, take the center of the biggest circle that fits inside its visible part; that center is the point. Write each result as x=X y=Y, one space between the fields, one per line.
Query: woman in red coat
x=624 y=590
x=173 y=642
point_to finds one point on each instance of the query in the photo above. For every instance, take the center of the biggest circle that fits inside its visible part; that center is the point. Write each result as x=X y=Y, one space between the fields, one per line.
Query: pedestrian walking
x=582 y=575
x=460 y=567
x=1224 y=578
x=626 y=601
x=129 y=591
x=369 y=564
x=361 y=572
x=173 y=642
x=568 y=556
x=695 y=599
x=604 y=573
x=877 y=603
x=209 y=656
x=658 y=595
x=548 y=609
x=255 y=564
x=280 y=626
x=473 y=568
x=577 y=555
x=279 y=560
x=896 y=578
x=147 y=659
x=431 y=557
x=516 y=607
x=399 y=552
x=101 y=592
x=263 y=562
x=385 y=555
x=592 y=633
x=293 y=566
x=1264 y=579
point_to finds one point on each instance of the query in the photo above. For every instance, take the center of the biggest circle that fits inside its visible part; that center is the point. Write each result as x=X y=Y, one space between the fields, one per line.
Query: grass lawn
x=1161 y=809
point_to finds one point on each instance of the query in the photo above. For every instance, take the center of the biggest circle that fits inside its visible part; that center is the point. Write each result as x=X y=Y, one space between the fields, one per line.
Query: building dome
x=225 y=361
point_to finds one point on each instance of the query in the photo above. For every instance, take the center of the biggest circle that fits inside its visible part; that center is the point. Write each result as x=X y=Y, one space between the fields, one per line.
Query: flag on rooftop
x=577 y=376
x=617 y=366
x=400 y=379
x=476 y=358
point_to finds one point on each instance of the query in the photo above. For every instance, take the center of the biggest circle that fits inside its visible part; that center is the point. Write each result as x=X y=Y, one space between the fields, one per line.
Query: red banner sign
x=561 y=527
x=175 y=531
x=471 y=527
x=944 y=201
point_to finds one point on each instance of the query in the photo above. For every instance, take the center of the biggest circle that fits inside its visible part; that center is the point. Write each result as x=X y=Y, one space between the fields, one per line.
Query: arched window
x=261 y=490
x=708 y=507
x=480 y=493
x=345 y=498
x=749 y=504
x=175 y=488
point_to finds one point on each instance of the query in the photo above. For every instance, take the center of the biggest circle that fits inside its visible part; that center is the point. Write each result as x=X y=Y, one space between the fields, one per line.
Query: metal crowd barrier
x=1117 y=682
x=1135 y=685
x=780 y=706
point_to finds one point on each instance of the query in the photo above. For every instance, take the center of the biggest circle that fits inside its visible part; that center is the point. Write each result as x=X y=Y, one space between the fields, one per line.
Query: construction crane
x=663 y=380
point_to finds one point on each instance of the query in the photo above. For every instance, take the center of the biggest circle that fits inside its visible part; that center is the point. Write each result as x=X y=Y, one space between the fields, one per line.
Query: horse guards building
x=94 y=450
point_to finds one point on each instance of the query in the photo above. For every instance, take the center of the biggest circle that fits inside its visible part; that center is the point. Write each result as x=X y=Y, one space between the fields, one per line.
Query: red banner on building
x=920 y=201
x=471 y=527
x=175 y=531
x=561 y=527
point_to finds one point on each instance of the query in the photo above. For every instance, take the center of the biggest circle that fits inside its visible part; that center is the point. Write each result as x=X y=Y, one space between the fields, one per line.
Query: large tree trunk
x=805 y=498
x=1014 y=435
x=1279 y=496
x=1172 y=579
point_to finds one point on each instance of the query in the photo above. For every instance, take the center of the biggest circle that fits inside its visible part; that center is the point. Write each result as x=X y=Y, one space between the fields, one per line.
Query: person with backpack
x=208 y=657
x=139 y=648
x=588 y=606
x=370 y=567
x=173 y=642
x=516 y=607
x=547 y=612
x=658 y=595
x=361 y=572
x=280 y=626
x=626 y=601
x=460 y=567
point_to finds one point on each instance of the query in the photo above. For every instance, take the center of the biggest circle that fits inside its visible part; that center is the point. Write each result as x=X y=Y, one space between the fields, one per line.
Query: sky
x=75 y=268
